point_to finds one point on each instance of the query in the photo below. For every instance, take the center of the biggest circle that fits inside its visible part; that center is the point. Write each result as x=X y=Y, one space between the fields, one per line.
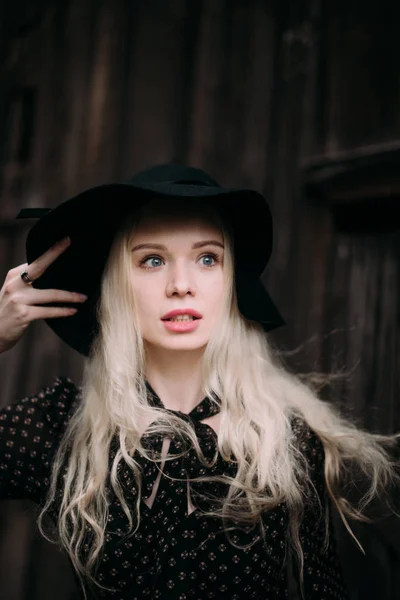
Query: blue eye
x=149 y=258
x=213 y=256
x=144 y=260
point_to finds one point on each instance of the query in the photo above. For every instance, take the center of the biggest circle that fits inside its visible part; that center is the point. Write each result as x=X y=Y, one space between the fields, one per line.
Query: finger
x=15 y=272
x=35 y=296
x=38 y=312
x=38 y=266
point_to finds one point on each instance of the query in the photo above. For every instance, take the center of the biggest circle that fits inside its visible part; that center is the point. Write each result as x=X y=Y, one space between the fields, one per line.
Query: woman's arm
x=29 y=434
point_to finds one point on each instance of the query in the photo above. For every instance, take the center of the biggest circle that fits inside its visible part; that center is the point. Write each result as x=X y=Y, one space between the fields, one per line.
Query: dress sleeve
x=323 y=576
x=29 y=433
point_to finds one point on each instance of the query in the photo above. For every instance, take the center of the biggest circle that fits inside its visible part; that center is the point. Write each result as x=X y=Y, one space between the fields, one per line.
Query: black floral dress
x=175 y=554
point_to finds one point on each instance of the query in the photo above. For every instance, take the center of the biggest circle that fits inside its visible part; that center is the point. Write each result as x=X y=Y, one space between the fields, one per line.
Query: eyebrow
x=194 y=247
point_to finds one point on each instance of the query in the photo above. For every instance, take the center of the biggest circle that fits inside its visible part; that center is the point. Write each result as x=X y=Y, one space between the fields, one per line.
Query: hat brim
x=255 y=303
x=91 y=219
x=102 y=208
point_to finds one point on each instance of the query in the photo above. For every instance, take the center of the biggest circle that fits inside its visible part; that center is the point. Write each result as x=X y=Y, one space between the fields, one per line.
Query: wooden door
x=361 y=317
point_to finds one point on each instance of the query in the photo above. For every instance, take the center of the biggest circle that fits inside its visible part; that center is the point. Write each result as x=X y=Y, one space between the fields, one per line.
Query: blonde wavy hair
x=258 y=397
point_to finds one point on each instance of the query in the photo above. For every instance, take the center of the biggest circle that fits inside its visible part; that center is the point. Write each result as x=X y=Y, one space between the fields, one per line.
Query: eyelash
x=216 y=257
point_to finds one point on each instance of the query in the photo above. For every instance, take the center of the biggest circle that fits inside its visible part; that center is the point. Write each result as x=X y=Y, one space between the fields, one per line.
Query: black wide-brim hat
x=91 y=220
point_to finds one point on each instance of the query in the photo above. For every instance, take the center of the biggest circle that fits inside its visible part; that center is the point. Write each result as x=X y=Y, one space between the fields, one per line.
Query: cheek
x=145 y=303
x=216 y=295
x=218 y=287
x=147 y=310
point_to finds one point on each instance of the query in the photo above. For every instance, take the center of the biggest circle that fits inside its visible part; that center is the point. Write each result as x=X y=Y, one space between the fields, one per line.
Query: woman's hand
x=18 y=300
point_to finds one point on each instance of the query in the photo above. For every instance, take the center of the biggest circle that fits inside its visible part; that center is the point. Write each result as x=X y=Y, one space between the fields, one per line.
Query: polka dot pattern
x=175 y=554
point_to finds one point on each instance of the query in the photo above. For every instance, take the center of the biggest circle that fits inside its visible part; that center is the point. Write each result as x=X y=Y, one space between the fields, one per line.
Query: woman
x=190 y=463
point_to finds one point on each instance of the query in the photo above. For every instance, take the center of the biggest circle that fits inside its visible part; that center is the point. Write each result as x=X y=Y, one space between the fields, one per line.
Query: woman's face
x=177 y=275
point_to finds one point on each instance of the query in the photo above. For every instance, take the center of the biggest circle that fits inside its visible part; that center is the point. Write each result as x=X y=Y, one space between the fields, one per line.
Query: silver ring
x=25 y=278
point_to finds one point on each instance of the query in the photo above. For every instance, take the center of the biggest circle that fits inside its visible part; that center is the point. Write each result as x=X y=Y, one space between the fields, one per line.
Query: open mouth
x=182 y=319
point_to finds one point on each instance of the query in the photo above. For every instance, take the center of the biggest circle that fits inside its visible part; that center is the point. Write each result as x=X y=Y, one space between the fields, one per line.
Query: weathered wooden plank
x=285 y=147
x=333 y=358
x=155 y=84
x=104 y=94
x=207 y=81
x=362 y=92
x=310 y=282
x=16 y=532
x=361 y=300
x=387 y=338
x=226 y=148
x=258 y=91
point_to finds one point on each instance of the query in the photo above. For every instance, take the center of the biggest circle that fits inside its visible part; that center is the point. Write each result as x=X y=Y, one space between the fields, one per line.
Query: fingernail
x=64 y=241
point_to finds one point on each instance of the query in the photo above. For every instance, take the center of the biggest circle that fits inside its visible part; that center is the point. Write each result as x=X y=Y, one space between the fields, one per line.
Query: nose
x=180 y=280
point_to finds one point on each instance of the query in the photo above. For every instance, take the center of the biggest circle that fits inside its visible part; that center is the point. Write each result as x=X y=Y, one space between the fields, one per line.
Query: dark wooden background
x=296 y=98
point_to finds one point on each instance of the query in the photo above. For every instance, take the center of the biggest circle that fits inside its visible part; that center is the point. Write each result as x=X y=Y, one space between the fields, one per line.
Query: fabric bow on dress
x=173 y=486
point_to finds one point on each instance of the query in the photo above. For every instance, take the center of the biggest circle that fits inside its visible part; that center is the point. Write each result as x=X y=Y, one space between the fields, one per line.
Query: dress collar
x=206 y=408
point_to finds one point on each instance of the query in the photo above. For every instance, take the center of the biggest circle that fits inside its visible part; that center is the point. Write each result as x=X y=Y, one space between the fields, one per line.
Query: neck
x=176 y=377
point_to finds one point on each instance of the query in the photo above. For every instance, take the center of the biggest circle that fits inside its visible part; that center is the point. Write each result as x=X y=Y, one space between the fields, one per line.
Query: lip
x=182 y=311
x=181 y=326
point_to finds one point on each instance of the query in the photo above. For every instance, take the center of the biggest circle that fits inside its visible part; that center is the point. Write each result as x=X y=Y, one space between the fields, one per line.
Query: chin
x=183 y=344
x=179 y=342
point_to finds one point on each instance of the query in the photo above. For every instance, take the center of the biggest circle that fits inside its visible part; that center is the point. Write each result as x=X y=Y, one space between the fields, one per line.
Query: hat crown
x=170 y=173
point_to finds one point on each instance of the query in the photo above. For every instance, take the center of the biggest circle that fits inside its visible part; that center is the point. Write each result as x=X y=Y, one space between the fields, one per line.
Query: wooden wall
x=296 y=98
